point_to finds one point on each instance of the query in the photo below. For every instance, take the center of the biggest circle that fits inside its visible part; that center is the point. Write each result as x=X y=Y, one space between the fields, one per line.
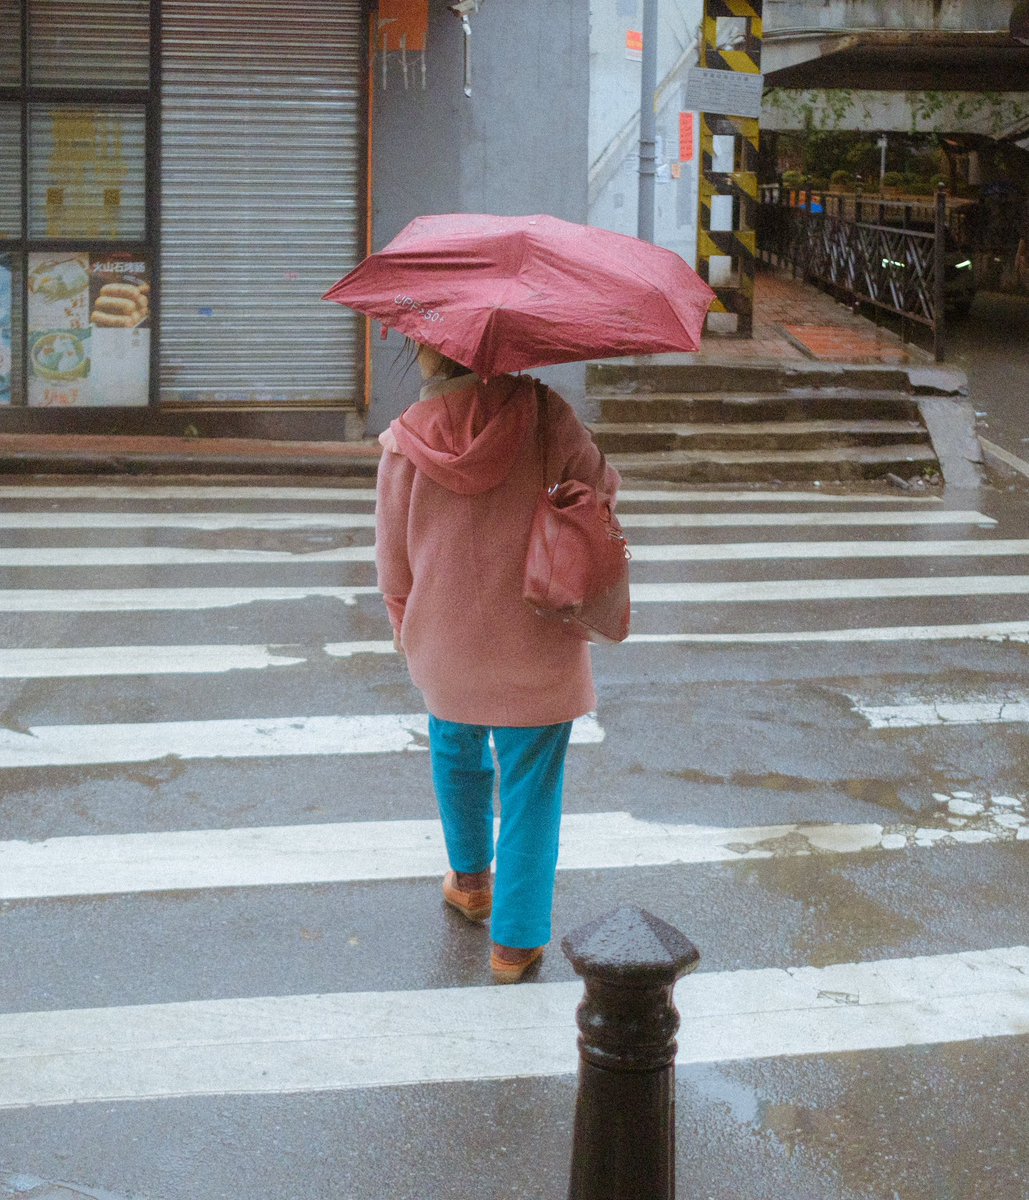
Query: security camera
x=464 y=7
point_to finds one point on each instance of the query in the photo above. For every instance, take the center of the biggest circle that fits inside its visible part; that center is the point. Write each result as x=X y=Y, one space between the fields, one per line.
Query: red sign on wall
x=686 y=137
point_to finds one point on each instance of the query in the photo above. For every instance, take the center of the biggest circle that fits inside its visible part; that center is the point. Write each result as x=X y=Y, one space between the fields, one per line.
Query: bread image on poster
x=119 y=318
x=119 y=294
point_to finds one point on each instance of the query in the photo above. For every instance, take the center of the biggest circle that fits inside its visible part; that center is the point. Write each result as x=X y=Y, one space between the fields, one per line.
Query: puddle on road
x=885 y=793
x=841 y=922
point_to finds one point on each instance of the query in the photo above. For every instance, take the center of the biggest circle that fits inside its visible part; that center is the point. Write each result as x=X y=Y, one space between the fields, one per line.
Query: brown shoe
x=475 y=905
x=510 y=964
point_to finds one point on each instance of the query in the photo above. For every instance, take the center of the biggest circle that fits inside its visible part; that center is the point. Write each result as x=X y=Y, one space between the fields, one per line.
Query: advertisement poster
x=88 y=325
x=6 y=329
x=119 y=315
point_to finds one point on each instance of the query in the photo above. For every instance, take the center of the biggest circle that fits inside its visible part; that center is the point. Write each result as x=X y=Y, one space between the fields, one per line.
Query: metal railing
x=890 y=255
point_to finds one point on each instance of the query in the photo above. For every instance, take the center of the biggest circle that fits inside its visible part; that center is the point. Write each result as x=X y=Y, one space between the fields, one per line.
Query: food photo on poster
x=119 y=314
x=59 y=333
x=89 y=335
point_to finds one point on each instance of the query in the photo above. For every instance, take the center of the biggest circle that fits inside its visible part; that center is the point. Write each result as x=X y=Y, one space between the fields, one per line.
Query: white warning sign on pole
x=730 y=93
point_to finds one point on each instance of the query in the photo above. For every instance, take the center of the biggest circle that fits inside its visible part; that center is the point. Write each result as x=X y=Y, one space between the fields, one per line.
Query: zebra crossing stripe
x=763 y=591
x=84 y=661
x=915 y=714
x=733 y=551
x=69 y=661
x=207 y=521
x=336 y=1042
x=687 y=520
x=29 y=600
x=991 y=631
x=156 y=491
x=116 y=864
x=285 y=522
x=679 y=495
x=163 y=556
x=175 y=556
x=273 y=737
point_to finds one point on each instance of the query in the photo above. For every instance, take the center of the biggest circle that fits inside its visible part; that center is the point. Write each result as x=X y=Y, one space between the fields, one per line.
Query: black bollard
x=624 y=1141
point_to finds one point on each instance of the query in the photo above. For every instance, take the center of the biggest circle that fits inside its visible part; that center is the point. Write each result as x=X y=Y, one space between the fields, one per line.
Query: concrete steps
x=828 y=464
x=614 y=438
x=730 y=425
x=802 y=404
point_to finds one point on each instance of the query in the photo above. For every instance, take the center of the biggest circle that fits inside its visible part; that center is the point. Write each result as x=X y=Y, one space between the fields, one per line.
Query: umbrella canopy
x=503 y=294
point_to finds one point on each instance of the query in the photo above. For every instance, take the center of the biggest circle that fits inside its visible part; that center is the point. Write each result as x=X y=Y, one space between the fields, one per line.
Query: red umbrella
x=501 y=294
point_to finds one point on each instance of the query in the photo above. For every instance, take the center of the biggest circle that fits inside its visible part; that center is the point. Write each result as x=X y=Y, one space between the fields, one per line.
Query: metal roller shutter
x=79 y=43
x=261 y=175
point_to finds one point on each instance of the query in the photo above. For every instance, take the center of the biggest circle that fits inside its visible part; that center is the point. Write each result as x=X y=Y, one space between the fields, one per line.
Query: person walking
x=457 y=486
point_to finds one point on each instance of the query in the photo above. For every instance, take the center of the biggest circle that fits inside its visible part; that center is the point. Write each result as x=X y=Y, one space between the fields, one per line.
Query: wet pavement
x=991 y=345
x=901 y=714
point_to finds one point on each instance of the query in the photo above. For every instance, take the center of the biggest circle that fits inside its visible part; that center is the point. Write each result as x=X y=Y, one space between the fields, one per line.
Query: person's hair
x=448 y=367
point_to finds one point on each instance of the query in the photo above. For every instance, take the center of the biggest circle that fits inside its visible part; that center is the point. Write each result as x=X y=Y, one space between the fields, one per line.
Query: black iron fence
x=890 y=255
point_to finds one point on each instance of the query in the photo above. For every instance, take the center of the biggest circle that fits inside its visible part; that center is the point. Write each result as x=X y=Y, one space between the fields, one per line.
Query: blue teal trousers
x=532 y=763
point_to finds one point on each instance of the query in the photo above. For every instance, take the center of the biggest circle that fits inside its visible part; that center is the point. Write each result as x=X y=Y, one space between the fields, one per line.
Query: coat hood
x=465 y=434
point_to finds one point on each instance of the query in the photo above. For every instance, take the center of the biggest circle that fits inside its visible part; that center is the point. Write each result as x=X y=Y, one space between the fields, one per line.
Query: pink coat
x=457 y=487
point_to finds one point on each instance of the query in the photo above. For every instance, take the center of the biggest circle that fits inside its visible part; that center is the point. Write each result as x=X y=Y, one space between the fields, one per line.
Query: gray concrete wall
x=518 y=145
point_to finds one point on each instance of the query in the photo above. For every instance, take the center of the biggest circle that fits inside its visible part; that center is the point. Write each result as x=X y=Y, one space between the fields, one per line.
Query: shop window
x=79 y=43
x=10 y=172
x=10 y=326
x=75 y=268
x=10 y=43
x=86 y=172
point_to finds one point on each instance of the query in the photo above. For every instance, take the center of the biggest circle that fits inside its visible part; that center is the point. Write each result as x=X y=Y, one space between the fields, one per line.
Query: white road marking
x=349 y=649
x=762 y=591
x=335 y=1042
x=1005 y=456
x=210 y=521
x=66 y=661
x=27 y=600
x=58 y=662
x=691 y=520
x=991 y=631
x=686 y=495
x=61 y=662
x=163 y=556
x=917 y=713
x=168 y=556
x=732 y=551
x=284 y=522
x=82 y=745
x=103 y=492
x=376 y=850
x=683 y=495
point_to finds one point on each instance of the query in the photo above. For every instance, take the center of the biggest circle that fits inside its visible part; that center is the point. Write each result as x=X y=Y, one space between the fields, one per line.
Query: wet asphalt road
x=728 y=733
x=991 y=345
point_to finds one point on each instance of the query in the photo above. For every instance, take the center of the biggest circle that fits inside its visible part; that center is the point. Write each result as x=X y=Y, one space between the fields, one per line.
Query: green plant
x=841 y=179
x=792 y=179
x=893 y=179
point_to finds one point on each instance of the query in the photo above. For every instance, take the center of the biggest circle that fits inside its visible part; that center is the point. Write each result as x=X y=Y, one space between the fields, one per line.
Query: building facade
x=182 y=180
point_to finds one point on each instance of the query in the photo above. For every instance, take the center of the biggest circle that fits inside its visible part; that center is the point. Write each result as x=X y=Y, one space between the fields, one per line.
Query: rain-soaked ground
x=873 y=790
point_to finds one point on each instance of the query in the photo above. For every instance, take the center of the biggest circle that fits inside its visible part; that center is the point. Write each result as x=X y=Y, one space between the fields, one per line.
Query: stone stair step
x=671 y=407
x=741 y=377
x=829 y=463
x=615 y=437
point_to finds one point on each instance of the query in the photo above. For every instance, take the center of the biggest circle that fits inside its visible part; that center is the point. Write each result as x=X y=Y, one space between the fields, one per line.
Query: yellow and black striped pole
x=738 y=243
